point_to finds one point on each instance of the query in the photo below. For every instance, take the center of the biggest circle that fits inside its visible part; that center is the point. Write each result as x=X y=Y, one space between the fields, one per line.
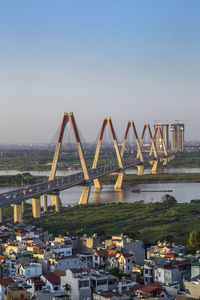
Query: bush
x=169 y=199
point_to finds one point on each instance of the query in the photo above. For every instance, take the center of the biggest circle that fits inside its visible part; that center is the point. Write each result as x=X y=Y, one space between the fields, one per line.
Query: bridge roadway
x=62 y=183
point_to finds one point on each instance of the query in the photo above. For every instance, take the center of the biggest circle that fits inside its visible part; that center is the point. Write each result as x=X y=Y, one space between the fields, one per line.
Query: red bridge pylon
x=118 y=184
x=131 y=124
x=158 y=132
x=154 y=160
x=68 y=118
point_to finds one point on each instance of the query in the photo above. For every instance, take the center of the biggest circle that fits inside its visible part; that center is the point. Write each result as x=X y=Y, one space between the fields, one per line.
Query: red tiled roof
x=38 y=247
x=180 y=264
x=2 y=257
x=59 y=273
x=111 y=253
x=171 y=254
x=126 y=255
x=88 y=270
x=37 y=281
x=6 y=281
x=52 y=278
x=101 y=252
x=148 y=288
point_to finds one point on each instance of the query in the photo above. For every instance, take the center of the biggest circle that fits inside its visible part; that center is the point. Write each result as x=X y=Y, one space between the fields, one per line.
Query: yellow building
x=193 y=289
x=16 y=292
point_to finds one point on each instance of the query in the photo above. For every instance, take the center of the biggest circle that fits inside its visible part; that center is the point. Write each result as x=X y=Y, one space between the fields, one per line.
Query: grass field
x=149 y=222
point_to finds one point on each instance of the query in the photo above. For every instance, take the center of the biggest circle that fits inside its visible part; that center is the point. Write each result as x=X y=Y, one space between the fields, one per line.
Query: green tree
x=194 y=240
x=169 y=199
x=116 y=272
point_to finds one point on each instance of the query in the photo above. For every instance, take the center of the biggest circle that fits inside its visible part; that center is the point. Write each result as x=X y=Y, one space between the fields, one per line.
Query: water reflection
x=183 y=192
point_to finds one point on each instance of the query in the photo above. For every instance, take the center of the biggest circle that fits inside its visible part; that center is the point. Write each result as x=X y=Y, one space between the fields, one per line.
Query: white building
x=64 y=263
x=30 y=270
x=52 y=282
x=102 y=281
x=129 y=245
x=79 y=283
x=124 y=285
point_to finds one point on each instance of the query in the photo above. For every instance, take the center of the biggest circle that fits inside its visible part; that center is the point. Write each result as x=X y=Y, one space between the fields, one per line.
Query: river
x=128 y=171
x=183 y=192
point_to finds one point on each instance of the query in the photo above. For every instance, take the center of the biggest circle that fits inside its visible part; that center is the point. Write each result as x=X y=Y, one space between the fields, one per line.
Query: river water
x=183 y=192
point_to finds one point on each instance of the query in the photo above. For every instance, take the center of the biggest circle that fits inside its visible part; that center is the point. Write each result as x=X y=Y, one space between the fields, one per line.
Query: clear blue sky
x=129 y=59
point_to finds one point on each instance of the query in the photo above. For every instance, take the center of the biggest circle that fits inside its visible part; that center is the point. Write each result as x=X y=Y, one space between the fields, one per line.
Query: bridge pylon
x=67 y=118
x=85 y=194
x=154 y=160
x=118 y=184
x=140 y=166
x=163 y=159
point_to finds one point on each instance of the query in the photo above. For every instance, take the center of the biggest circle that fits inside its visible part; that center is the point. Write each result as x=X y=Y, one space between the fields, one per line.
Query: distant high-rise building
x=165 y=134
x=177 y=136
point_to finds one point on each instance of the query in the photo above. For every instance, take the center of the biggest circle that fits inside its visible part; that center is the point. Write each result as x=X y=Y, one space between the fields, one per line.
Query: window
x=83 y=283
x=101 y=281
x=22 y=296
x=83 y=258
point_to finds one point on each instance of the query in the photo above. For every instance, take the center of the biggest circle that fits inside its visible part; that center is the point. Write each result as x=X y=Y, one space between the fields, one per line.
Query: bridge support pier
x=171 y=157
x=1 y=219
x=17 y=213
x=140 y=170
x=45 y=203
x=36 y=207
x=85 y=195
x=97 y=184
x=164 y=160
x=118 y=184
x=56 y=202
x=22 y=204
x=154 y=164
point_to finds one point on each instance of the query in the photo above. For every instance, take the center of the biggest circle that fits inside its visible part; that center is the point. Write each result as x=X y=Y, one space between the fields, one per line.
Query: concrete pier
x=36 y=207
x=45 y=203
x=1 y=219
x=17 y=213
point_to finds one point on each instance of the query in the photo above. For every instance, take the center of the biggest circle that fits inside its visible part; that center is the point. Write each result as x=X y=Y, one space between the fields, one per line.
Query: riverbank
x=129 y=179
x=20 y=180
x=149 y=222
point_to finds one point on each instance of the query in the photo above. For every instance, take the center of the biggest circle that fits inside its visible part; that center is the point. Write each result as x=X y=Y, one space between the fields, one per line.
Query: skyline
x=134 y=61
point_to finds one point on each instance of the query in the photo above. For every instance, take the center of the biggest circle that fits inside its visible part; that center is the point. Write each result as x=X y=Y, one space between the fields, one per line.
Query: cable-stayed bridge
x=88 y=176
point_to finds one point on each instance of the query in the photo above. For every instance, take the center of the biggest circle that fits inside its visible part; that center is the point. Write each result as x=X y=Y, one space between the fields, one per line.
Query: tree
x=116 y=272
x=67 y=287
x=169 y=199
x=194 y=240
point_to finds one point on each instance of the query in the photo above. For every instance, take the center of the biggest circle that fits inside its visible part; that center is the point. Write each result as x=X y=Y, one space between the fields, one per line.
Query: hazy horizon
x=131 y=60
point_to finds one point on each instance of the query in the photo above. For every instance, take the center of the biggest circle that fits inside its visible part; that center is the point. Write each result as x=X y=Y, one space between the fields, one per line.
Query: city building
x=164 y=128
x=177 y=136
x=77 y=282
x=129 y=245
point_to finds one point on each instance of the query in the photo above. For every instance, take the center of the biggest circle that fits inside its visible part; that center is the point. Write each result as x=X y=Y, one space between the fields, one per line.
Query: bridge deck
x=62 y=183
